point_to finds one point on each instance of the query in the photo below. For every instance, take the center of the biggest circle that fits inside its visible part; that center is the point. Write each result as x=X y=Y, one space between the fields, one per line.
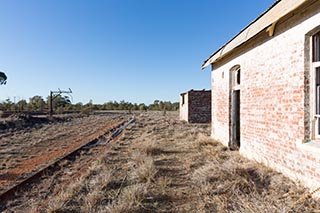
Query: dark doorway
x=235 y=119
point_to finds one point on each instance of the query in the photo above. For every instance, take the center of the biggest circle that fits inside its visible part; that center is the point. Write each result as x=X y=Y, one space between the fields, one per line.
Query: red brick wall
x=199 y=103
x=273 y=111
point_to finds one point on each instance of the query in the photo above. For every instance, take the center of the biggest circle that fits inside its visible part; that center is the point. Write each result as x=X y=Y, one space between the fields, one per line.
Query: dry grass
x=204 y=140
x=145 y=171
x=244 y=186
x=101 y=190
x=164 y=165
x=130 y=199
x=66 y=195
x=152 y=149
x=163 y=184
x=85 y=190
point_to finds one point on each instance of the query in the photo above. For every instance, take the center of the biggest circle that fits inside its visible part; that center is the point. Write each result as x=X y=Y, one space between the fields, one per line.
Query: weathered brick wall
x=195 y=106
x=220 y=104
x=199 y=106
x=272 y=105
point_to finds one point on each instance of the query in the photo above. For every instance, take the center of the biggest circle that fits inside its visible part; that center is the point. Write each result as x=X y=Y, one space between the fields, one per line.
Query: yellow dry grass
x=163 y=165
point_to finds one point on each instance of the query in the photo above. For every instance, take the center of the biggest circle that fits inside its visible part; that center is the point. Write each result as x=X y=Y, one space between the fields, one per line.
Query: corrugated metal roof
x=279 y=9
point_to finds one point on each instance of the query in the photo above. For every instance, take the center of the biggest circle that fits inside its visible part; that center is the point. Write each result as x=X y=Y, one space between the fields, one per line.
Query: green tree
x=89 y=104
x=122 y=105
x=8 y=104
x=116 y=105
x=155 y=105
x=164 y=105
x=135 y=107
x=36 y=103
x=108 y=106
x=142 y=107
x=78 y=106
x=60 y=103
x=175 y=106
x=22 y=105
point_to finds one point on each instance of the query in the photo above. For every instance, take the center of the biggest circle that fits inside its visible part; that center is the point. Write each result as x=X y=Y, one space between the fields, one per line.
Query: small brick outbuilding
x=195 y=106
x=266 y=90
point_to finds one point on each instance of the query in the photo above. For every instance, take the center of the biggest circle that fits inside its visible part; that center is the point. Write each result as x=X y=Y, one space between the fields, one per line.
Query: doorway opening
x=235 y=134
x=235 y=118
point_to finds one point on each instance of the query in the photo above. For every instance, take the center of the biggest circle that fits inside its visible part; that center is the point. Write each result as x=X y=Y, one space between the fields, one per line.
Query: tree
x=89 y=104
x=22 y=105
x=78 y=106
x=8 y=104
x=164 y=105
x=36 y=103
x=60 y=103
x=116 y=105
x=135 y=107
x=175 y=106
x=108 y=106
x=142 y=107
x=3 y=78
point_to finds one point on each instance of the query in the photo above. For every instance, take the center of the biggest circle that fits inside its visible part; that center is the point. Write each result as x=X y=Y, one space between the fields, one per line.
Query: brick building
x=195 y=106
x=266 y=90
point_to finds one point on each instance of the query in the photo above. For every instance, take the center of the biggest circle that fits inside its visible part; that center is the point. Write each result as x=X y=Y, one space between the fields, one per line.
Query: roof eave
x=279 y=9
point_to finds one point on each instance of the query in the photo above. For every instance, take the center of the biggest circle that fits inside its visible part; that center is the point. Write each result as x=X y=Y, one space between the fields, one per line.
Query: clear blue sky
x=105 y=50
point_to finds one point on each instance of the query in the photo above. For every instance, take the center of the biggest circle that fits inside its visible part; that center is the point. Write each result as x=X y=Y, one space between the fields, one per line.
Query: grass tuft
x=130 y=200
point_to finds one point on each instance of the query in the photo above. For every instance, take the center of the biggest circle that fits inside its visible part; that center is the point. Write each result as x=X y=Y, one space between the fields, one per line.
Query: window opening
x=316 y=88
x=317 y=99
x=238 y=77
x=316 y=47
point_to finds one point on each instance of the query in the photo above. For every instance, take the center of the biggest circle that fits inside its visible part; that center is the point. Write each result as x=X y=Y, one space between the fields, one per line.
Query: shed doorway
x=235 y=108
x=235 y=119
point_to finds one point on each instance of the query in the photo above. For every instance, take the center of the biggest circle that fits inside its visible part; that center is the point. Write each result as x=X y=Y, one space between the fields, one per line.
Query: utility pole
x=53 y=95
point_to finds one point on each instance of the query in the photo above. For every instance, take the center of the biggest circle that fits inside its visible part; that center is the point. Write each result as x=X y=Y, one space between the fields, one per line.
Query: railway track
x=100 y=137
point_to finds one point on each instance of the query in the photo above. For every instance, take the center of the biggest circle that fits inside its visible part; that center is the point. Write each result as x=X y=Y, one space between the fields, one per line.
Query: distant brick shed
x=266 y=90
x=195 y=106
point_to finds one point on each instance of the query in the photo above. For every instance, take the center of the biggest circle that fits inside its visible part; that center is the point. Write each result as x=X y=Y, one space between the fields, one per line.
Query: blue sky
x=106 y=50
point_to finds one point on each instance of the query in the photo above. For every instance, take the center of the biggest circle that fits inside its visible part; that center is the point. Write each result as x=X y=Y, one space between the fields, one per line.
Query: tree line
x=63 y=103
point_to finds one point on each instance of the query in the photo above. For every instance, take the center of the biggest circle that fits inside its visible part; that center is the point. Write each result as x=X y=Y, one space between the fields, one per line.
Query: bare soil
x=159 y=164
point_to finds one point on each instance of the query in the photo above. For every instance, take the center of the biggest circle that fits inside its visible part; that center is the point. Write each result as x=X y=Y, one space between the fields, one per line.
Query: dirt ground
x=25 y=150
x=161 y=164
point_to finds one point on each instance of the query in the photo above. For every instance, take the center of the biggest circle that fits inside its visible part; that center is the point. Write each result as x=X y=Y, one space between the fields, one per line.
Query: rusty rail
x=113 y=130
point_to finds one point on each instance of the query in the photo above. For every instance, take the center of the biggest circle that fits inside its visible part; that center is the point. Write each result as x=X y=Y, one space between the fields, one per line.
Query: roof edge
x=193 y=90
x=276 y=11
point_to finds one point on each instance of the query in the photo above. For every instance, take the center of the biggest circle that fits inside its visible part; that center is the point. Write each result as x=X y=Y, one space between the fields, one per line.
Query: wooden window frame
x=315 y=90
x=316 y=101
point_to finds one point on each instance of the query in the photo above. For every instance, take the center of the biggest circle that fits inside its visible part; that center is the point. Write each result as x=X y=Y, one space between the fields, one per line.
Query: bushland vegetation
x=63 y=103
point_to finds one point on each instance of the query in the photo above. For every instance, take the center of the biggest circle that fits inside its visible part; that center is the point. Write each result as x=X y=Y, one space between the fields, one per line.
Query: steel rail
x=113 y=130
